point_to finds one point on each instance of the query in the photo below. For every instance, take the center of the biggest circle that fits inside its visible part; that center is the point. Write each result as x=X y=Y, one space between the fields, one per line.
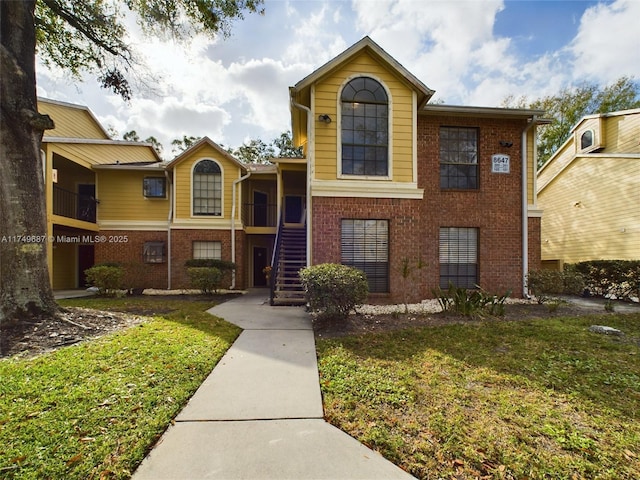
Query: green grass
x=543 y=399
x=93 y=410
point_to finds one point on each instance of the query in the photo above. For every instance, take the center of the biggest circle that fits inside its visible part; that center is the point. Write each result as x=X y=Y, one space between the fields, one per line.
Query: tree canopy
x=91 y=36
x=568 y=106
x=257 y=151
x=77 y=36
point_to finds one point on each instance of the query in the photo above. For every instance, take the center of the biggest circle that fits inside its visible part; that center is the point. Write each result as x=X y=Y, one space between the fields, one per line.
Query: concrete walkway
x=259 y=413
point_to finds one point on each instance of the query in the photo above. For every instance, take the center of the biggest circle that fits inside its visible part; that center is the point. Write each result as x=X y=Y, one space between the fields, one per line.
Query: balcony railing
x=72 y=205
x=259 y=215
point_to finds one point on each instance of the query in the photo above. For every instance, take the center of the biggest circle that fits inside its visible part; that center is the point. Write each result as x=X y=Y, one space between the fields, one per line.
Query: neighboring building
x=590 y=192
x=72 y=152
x=386 y=179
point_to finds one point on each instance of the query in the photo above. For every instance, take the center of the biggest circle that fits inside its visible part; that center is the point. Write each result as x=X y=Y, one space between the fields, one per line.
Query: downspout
x=233 y=227
x=525 y=210
x=166 y=174
x=310 y=166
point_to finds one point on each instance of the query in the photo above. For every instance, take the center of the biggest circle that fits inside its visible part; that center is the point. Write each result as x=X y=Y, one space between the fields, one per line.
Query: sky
x=471 y=52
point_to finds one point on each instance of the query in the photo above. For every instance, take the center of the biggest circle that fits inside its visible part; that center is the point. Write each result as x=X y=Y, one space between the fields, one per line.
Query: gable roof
x=199 y=144
x=71 y=120
x=545 y=177
x=366 y=44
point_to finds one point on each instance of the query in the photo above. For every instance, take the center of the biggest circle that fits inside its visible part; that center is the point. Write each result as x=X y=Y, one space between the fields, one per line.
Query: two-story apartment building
x=386 y=180
x=590 y=192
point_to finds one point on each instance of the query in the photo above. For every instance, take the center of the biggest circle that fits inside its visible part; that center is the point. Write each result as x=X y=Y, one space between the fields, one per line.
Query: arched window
x=207 y=188
x=586 y=140
x=365 y=128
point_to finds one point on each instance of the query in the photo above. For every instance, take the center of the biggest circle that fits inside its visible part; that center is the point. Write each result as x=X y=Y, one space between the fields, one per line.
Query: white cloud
x=237 y=88
x=607 y=45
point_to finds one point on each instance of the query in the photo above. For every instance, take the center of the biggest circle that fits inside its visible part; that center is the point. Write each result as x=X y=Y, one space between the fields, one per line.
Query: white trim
x=139 y=225
x=205 y=224
x=222 y=189
x=339 y=173
x=346 y=188
x=533 y=212
x=414 y=136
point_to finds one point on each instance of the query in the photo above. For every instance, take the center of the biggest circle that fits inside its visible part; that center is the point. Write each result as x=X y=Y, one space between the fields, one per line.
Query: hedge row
x=605 y=278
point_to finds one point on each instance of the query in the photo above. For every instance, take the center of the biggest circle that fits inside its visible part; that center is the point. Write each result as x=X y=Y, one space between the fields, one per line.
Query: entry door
x=85 y=260
x=260 y=209
x=259 y=263
x=293 y=209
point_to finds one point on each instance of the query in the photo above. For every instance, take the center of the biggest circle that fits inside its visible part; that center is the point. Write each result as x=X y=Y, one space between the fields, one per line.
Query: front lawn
x=93 y=410
x=535 y=399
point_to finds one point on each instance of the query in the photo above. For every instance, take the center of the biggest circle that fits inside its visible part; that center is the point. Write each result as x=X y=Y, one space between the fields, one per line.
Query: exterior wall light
x=504 y=143
x=325 y=118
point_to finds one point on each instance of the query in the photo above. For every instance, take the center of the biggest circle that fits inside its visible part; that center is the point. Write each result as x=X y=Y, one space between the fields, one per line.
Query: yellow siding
x=591 y=211
x=71 y=174
x=552 y=168
x=532 y=166
x=71 y=122
x=64 y=266
x=121 y=198
x=105 y=154
x=401 y=106
x=622 y=134
x=182 y=181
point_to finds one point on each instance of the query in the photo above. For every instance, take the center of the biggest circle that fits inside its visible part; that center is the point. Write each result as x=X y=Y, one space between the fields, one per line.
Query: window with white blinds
x=365 y=246
x=458 y=257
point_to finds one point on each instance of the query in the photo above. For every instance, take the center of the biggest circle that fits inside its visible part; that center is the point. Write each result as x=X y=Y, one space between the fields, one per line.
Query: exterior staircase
x=291 y=256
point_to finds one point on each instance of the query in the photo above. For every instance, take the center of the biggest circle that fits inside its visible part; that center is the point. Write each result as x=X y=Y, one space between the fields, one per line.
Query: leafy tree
x=155 y=143
x=132 y=136
x=257 y=151
x=254 y=151
x=79 y=36
x=180 y=145
x=284 y=144
x=569 y=105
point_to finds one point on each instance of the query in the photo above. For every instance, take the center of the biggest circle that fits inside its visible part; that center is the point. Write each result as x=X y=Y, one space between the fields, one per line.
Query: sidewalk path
x=259 y=413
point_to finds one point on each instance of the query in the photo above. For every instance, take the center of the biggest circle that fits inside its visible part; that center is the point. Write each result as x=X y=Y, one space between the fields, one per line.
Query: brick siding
x=129 y=254
x=495 y=209
x=150 y=275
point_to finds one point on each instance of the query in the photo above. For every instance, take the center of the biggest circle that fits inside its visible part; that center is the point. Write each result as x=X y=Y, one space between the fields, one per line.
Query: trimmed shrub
x=205 y=279
x=546 y=283
x=610 y=278
x=223 y=266
x=334 y=289
x=106 y=278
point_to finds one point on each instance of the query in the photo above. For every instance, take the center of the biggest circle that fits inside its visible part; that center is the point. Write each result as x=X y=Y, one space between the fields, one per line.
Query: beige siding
x=71 y=122
x=592 y=211
x=622 y=134
x=121 y=197
x=401 y=106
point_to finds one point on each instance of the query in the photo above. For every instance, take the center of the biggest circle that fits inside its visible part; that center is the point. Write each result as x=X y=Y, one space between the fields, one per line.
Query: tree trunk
x=24 y=279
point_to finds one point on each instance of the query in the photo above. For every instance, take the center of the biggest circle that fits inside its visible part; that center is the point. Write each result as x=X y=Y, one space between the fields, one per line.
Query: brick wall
x=495 y=209
x=182 y=250
x=404 y=235
x=126 y=247
x=148 y=275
